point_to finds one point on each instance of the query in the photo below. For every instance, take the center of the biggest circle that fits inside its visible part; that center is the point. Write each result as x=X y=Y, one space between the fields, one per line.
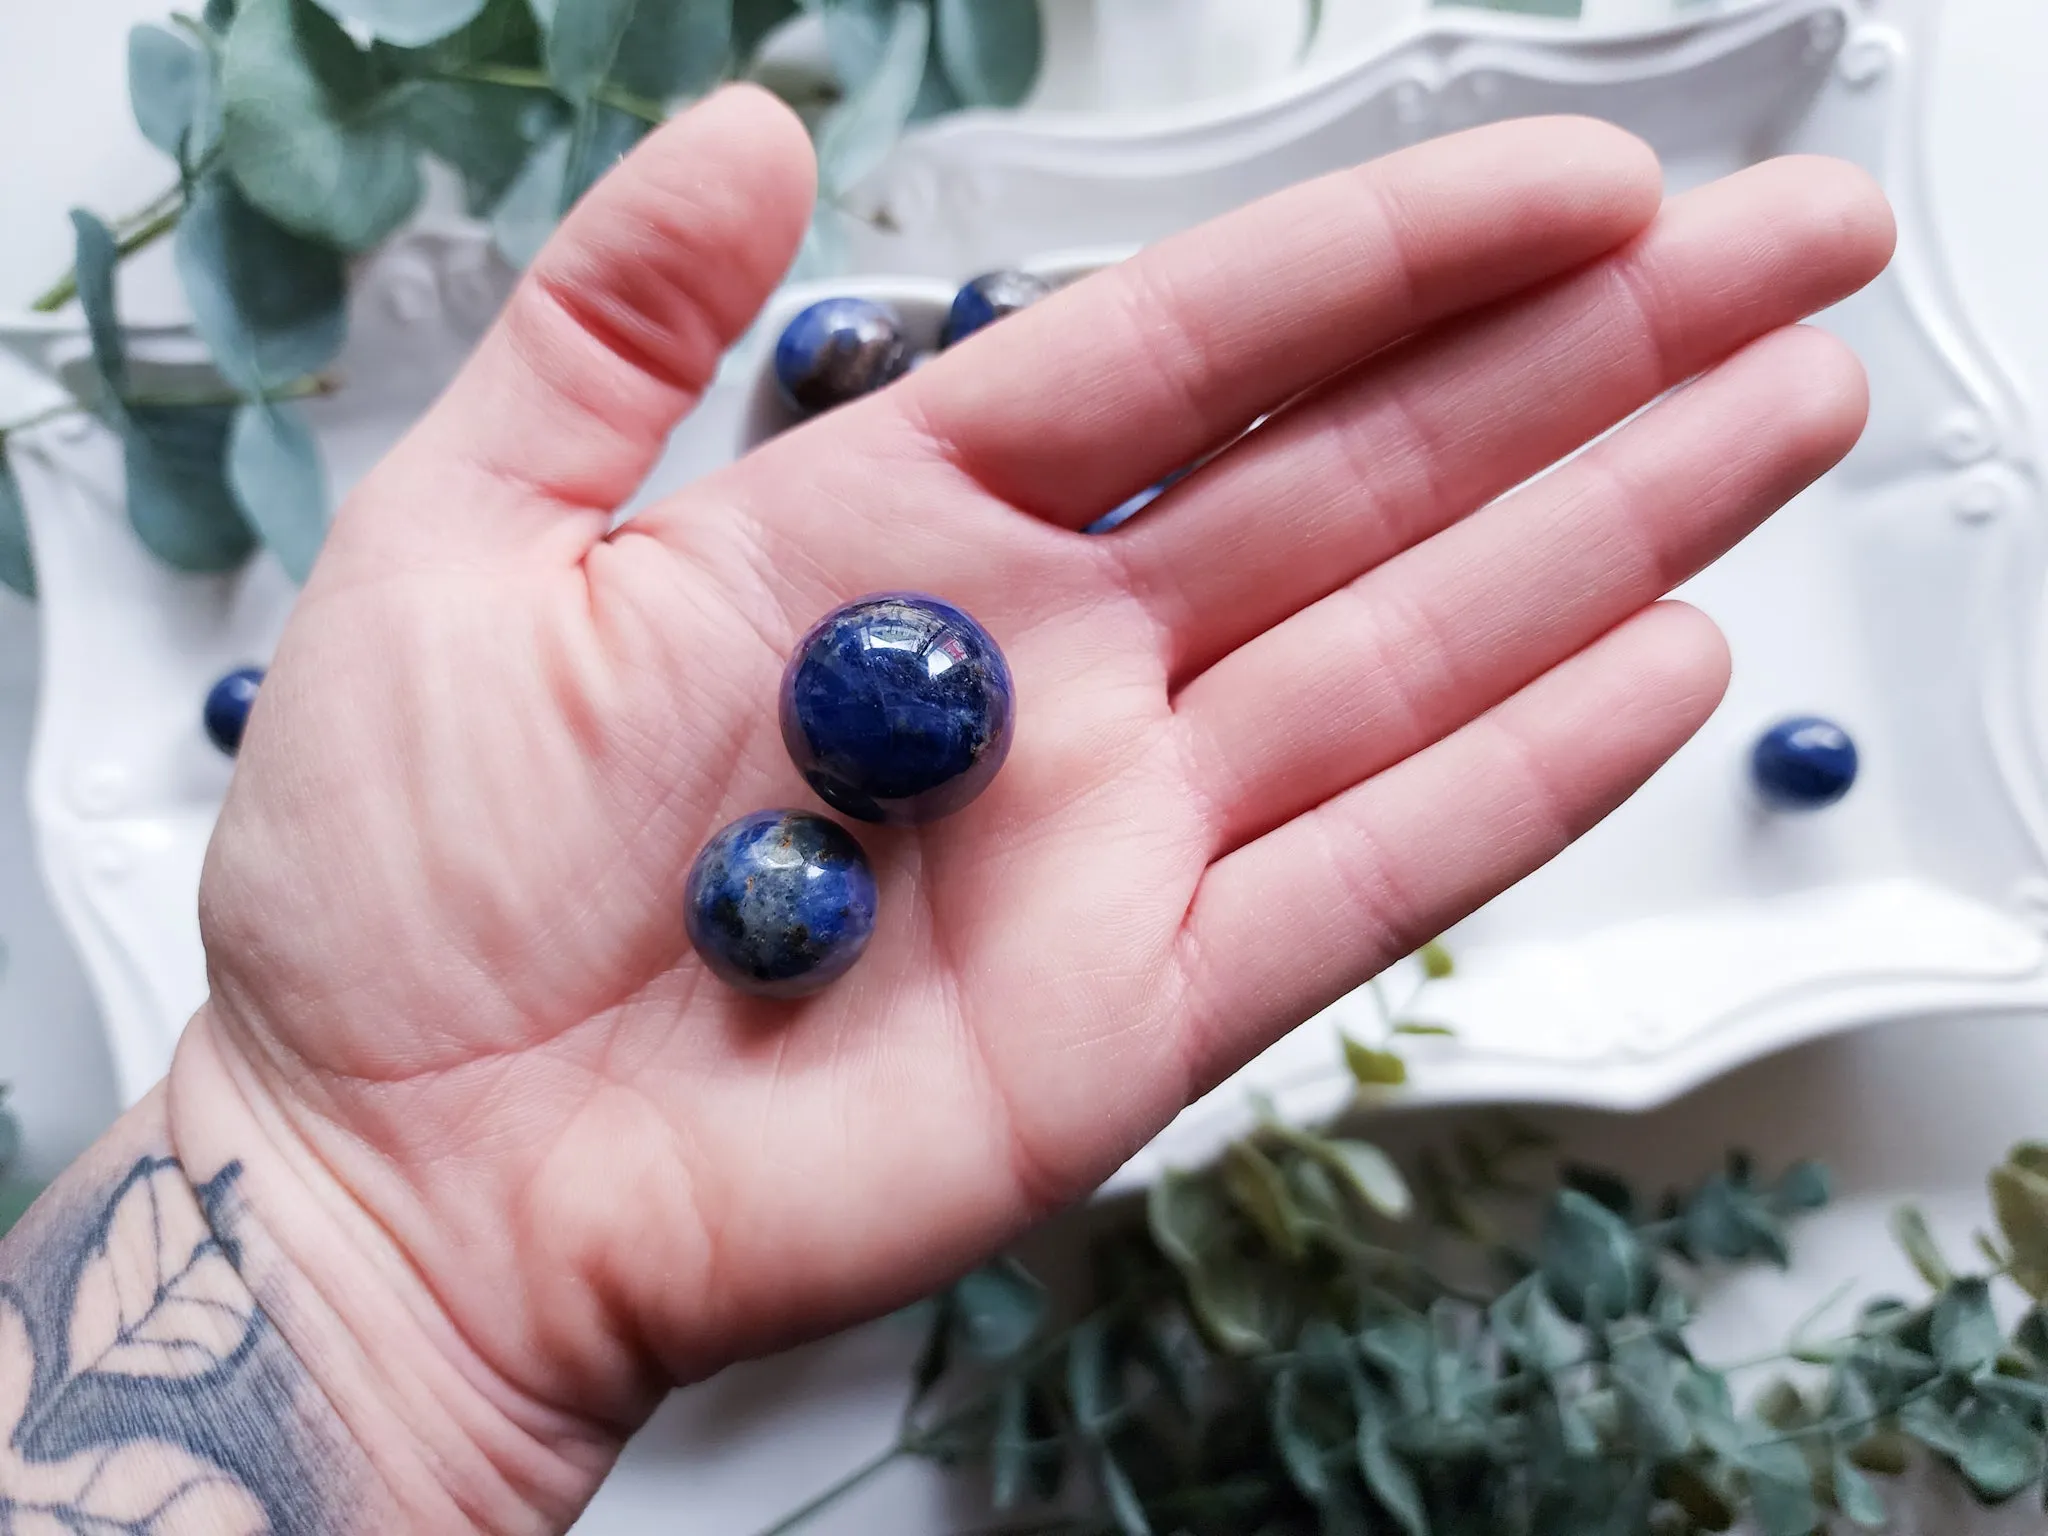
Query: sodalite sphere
x=1803 y=764
x=226 y=711
x=988 y=298
x=897 y=708
x=838 y=350
x=780 y=903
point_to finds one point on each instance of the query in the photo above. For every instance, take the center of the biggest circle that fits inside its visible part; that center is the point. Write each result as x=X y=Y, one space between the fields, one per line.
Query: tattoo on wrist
x=142 y=1389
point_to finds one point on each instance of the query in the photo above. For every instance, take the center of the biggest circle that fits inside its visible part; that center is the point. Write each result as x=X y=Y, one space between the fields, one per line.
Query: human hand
x=1330 y=693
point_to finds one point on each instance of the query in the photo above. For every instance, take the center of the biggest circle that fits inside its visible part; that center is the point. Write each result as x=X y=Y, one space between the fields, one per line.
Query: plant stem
x=308 y=388
x=839 y=1490
x=520 y=78
x=154 y=226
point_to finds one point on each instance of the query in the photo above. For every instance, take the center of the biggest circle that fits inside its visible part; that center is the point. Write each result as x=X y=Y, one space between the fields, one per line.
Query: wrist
x=450 y=1442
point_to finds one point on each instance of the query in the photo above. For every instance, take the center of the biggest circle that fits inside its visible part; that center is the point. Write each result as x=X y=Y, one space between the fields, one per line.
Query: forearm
x=168 y=1365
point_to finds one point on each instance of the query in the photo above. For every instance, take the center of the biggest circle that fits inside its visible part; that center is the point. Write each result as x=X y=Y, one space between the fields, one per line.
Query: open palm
x=1331 y=692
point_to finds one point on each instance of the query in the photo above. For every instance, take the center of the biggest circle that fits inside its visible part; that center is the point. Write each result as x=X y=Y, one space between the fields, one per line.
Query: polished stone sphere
x=897 y=708
x=780 y=903
x=837 y=350
x=988 y=298
x=226 y=712
x=1803 y=764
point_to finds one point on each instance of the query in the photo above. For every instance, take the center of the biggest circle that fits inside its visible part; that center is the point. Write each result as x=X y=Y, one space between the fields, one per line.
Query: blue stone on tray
x=988 y=298
x=897 y=708
x=1803 y=764
x=838 y=350
x=780 y=903
x=226 y=714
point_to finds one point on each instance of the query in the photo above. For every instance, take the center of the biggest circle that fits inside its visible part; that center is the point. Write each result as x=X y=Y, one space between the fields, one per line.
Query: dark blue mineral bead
x=897 y=708
x=227 y=707
x=838 y=350
x=1803 y=764
x=988 y=298
x=780 y=903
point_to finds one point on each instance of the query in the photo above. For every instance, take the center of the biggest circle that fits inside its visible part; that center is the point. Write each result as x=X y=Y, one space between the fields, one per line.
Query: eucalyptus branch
x=521 y=78
x=311 y=387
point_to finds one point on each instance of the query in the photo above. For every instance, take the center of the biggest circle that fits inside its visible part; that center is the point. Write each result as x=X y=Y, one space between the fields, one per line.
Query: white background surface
x=1920 y=1108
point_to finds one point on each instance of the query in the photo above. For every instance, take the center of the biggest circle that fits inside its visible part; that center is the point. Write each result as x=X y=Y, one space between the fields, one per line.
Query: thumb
x=616 y=328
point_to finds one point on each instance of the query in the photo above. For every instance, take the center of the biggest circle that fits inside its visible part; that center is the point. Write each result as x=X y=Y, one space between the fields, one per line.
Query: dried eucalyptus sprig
x=1272 y=1347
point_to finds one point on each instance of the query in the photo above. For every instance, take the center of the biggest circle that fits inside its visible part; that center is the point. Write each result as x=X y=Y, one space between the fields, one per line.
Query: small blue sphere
x=1803 y=764
x=780 y=903
x=227 y=707
x=838 y=350
x=989 y=297
x=897 y=708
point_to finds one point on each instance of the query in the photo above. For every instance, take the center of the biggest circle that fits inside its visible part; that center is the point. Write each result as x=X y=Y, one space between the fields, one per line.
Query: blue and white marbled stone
x=780 y=903
x=897 y=708
x=226 y=711
x=988 y=298
x=1803 y=764
x=837 y=350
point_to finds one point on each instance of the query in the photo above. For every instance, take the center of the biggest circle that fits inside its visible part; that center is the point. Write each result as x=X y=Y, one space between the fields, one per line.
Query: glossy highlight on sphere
x=1803 y=764
x=897 y=708
x=837 y=350
x=988 y=298
x=780 y=903
x=226 y=712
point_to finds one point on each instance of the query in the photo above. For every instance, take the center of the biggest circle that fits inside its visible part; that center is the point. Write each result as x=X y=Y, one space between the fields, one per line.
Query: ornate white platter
x=1690 y=933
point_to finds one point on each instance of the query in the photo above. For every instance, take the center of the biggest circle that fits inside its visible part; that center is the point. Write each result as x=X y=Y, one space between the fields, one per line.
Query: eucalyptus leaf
x=532 y=206
x=405 y=23
x=1965 y=1330
x=754 y=20
x=1803 y=1187
x=17 y=561
x=1855 y=1495
x=1010 y=1450
x=270 y=305
x=1591 y=1260
x=95 y=257
x=1371 y=1175
x=1299 y=1452
x=2019 y=1197
x=170 y=91
x=999 y=1309
x=1258 y=1189
x=2030 y=1155
x=314 y=129
x=1781 y=1489
x=2000 y=1453
x=1124 y=1504
x=179 y=502
x=1646 y=1375
x=1091 y=1393
x=654 y=49
x=1372 y=1068
x=275 y=473
x=990 y=48
x=858 y=134
x=1389 y=1479
x=487 y=133
x=1436 y=960
x=599 y=138
x=1910 y=1229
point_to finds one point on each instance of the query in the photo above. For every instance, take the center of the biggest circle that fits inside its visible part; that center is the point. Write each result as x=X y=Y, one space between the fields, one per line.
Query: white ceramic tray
x=1689 y=933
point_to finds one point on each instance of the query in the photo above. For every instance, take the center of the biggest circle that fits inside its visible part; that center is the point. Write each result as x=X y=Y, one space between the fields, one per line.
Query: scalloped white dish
x=1689 y=933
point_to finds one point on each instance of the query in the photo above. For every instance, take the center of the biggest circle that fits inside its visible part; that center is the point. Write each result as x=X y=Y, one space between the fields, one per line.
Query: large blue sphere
x=988 y=298
x=226 y=713
x=838 y=350
x=780 y=903
x=897 y=708
x=1803 y=764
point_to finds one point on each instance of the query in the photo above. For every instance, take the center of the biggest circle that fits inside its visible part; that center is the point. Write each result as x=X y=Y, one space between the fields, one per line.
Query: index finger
x=1093 y=394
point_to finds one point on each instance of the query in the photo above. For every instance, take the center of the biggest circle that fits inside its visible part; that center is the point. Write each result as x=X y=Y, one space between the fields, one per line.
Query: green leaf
x=1528 y=1324
x=1887 y=1453
x=999 y=1309
x=1424 y=1027
x=2030 y=1155
x=754 y=20
x=1403 y=1349
x=532 y=205
x=171 y=92
x=655 y=49
x=857 y=135
x=1781 y=1489
x=1370 y=1174
x=1590 y=1259
x=487 y=133
x=178 y=497
x=990 y=49
x=313 y=131
x=1124 y=1505
x=1436 y=960
x=2019 y=1196
x=17 y=561
x=1910 y=1229
x=271 y=305
x=2000 y=1453
x=1855 y=1495
x=1964 y=1328
x=219 y=15
x=1646 y=1375
x=1387 y=1477
x=1299 y=1452
x=1010 y=1449
x=1373 y=1068
x=95 y=257
x=599 y=138
x=1258 y=1189
x=937 y=1352
x=1091 y=1392
x=16 y=1196
x=1610 y=1189
x=275 y=473
x=1803 y=1187
x=405 y=23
